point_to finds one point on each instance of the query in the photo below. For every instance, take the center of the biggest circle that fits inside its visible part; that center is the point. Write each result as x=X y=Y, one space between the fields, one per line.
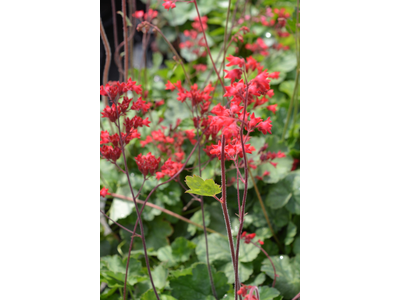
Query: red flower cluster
x=247 y=237
x=147 y=164
x=247 y=291
x=195 y=42
x=169 y=168
x=170 y=144
x=117 y=109
x=115 y=89
x=104 y=192
x=149 y=16
x=169 y=4
x=258 y=47
x=196 y=95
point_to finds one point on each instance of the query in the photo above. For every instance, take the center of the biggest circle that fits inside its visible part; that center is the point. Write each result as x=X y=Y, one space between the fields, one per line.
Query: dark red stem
x=246 y=177
x=126 y=48
x=273 y=266
x=138 y=216
x=224 y=206
x=208 y=48
x=115 y=222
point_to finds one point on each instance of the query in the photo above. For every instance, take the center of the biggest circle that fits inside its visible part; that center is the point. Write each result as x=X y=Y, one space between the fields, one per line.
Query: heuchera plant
x=221 y=131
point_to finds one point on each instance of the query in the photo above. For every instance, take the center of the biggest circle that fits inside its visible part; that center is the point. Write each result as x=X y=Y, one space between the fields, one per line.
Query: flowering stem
x=117 y=58
x=224 y=206
x=296 y=297
x=273 y=266
x=208 y=48
x=225 y=34
x=204 y=224
x=138 y=214
x=264 y=210
x=222 y=49
x=108 y=58
x=126 y=48
x=246 y=179
x=179 y=59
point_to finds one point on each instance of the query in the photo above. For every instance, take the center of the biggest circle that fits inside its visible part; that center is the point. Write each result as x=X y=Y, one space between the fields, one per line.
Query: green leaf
x=197 y=285
x=113 y=270
x=165 y=254
x=160 y=275
x=120 y=209
x=291 y=231
x=286 y=62
x=218 y=249
x=149 y=295
x=294 y=203
x=287 y=87
x=179 y=251
x=258 y=280
x=202 y=187
x=182 y=249
x=296 y=245
x=267 y=293
x=245 y=270
x=288 y=282
x=283 y=191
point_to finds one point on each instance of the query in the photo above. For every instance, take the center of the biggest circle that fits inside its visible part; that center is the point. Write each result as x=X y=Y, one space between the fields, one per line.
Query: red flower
x=130 y=86
x=272 y=108
x=104 y=192
x=265 y=126
x=247 y=237
x=110 y=112
x=147 y=164
x=168 y=4
x=104 y=137
x=274 y=75
x=233 y=74
x=169 y=168
x=138 y=14
x=169 y=86
x=235 y=61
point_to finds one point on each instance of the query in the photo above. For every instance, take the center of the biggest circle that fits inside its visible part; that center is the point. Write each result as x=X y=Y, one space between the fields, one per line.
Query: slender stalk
x=225 y=38
x=264 y=210
x=220 y=51
x=133 y=21
x=297 y=43
x=108 y=58
x=296 y=110
x=179 y=59
x=246 y=179
x=273 y=266
x=139 y=218
x=204 y=222
x=139 y=213
x=208 y=48
x=291 y=105
x=296 y=297
x=126 y=46
x=224 y=206
x=117 y=58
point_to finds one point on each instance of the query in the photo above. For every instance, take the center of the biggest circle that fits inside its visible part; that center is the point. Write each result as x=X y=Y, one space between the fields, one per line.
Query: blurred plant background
x=176 y=245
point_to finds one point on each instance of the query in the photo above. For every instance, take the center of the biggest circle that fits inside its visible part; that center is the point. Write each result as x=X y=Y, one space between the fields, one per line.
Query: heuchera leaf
x=196 y=286
x=202 y=187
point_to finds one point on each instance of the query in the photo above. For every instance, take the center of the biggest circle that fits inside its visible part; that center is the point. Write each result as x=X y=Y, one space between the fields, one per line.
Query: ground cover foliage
x=165 y=96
